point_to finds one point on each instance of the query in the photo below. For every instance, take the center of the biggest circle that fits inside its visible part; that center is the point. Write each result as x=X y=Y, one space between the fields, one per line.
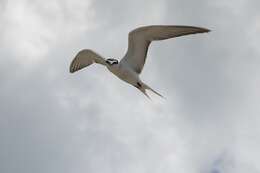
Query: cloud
x=32 y=29
x=52 y=121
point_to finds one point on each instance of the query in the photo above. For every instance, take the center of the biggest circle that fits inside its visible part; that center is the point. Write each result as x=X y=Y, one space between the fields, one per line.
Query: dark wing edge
x=146 y=34
x=162 y=32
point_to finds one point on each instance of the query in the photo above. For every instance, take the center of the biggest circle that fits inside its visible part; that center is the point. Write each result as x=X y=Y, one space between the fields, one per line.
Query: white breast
x=124 y=73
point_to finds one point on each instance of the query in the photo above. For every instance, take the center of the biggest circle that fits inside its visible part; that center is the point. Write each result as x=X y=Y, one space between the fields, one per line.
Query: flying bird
x=131 y=65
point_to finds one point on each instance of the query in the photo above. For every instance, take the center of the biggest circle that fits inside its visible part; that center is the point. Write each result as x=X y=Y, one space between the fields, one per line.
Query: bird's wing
x=85 y=58
x=140 y=39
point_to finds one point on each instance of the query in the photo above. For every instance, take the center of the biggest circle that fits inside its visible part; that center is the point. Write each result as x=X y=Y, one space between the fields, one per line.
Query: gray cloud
x=52 y=121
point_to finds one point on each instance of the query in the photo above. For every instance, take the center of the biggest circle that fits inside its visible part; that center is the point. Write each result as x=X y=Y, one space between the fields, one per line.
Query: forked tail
x=144 y=92
x=144 y=87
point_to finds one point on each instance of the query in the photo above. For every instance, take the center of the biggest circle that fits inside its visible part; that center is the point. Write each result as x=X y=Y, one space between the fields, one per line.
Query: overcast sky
x=54 y=122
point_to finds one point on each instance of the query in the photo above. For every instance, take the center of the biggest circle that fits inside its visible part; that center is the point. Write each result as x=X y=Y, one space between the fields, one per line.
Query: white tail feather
x=144 y=87
x=144 y=92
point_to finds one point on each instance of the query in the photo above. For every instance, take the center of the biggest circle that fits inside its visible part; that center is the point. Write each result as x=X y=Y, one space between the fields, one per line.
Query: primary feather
x=85 y=58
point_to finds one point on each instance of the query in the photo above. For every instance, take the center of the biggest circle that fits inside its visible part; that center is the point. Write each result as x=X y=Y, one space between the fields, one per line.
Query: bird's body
x=124 y=73
x=131 y=65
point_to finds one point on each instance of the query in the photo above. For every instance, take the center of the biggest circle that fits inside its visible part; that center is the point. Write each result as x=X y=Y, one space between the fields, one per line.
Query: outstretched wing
x=85 y=58
x=140 y=39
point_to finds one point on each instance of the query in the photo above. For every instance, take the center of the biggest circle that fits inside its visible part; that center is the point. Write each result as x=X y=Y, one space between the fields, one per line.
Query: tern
x=131 y=65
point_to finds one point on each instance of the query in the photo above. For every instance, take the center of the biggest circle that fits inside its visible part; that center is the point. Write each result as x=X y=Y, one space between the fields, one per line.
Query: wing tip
x=205 y=30
x=71 y=71
x=73 y=68
x=198 y=29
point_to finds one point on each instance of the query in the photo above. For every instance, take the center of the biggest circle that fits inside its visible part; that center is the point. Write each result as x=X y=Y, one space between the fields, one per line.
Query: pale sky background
x=54 y=122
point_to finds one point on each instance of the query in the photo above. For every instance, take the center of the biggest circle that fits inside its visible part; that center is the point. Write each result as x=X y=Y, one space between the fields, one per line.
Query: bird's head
x=111 y=61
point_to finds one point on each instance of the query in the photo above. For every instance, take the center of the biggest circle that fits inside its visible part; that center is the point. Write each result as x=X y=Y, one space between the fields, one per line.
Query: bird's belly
x=125 y=75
